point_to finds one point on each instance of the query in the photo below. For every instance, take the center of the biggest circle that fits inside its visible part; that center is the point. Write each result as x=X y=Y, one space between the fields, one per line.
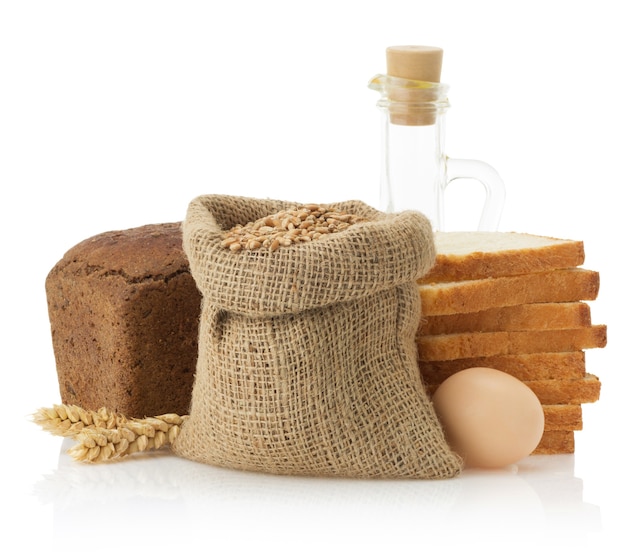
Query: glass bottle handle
x=491 y=181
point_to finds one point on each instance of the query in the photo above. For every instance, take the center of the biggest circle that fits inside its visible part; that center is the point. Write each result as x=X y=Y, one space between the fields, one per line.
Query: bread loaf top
x=150 y=250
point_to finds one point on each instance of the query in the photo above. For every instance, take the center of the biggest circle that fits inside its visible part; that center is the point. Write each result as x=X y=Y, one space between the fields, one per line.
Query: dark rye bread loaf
x=124 y=313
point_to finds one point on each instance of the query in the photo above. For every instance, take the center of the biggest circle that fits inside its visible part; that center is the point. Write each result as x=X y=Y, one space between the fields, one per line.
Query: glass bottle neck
x=410 y=102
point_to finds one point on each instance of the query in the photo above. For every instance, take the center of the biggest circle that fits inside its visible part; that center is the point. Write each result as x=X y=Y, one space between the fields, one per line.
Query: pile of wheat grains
x=305 y=224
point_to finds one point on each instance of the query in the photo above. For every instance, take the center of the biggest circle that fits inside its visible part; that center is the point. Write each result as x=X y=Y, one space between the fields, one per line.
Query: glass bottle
x=415 y=169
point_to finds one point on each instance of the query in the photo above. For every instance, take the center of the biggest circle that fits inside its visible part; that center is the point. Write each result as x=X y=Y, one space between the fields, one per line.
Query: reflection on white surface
x=160 y=500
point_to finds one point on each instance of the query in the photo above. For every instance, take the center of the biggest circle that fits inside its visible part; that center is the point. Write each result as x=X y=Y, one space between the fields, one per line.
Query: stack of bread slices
x=518 y=303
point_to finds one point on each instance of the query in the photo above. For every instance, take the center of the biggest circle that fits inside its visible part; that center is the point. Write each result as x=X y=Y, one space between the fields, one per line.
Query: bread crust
x=580 y=391
x=530 y=366
x=554 y=286
x=556 y=442
x=553 y=392
x=563 y=417
x=486 y=344
x=534 y=316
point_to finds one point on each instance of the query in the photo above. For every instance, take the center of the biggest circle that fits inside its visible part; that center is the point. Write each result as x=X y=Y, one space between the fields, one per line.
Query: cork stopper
x=421 y=64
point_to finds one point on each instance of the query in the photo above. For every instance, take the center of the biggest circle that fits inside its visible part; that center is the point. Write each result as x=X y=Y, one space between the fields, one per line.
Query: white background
x=116 y=114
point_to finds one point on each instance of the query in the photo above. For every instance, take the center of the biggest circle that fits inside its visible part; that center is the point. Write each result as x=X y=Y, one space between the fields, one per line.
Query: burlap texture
x=307 y=360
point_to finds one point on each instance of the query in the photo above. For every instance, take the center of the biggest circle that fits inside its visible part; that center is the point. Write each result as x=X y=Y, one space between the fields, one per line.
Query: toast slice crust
x=556 y=442
x=531 y=316
x=485 y=344
x=563 y=417
x=556 y=392
x=581 y=391
x=554 y=286
x=531 y=366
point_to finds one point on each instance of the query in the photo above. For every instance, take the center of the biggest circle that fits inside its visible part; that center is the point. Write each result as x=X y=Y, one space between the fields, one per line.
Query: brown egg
x=491 y=419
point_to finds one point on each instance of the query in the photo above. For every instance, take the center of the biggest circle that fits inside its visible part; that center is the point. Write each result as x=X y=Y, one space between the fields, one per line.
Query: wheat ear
x=69 y=420
x=99 y=444
x=104 y=435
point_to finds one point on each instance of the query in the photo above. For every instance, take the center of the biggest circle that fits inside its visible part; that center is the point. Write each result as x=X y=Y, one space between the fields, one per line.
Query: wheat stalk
x=103 y=435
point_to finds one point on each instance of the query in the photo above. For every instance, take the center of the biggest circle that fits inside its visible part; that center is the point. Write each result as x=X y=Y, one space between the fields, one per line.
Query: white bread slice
x=553 y=286
x=485 y=344
x=530 y=316
x=476 y=255
x=531 y=366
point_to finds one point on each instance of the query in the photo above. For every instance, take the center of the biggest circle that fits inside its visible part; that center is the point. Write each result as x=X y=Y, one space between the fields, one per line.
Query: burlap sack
x=307 y=358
